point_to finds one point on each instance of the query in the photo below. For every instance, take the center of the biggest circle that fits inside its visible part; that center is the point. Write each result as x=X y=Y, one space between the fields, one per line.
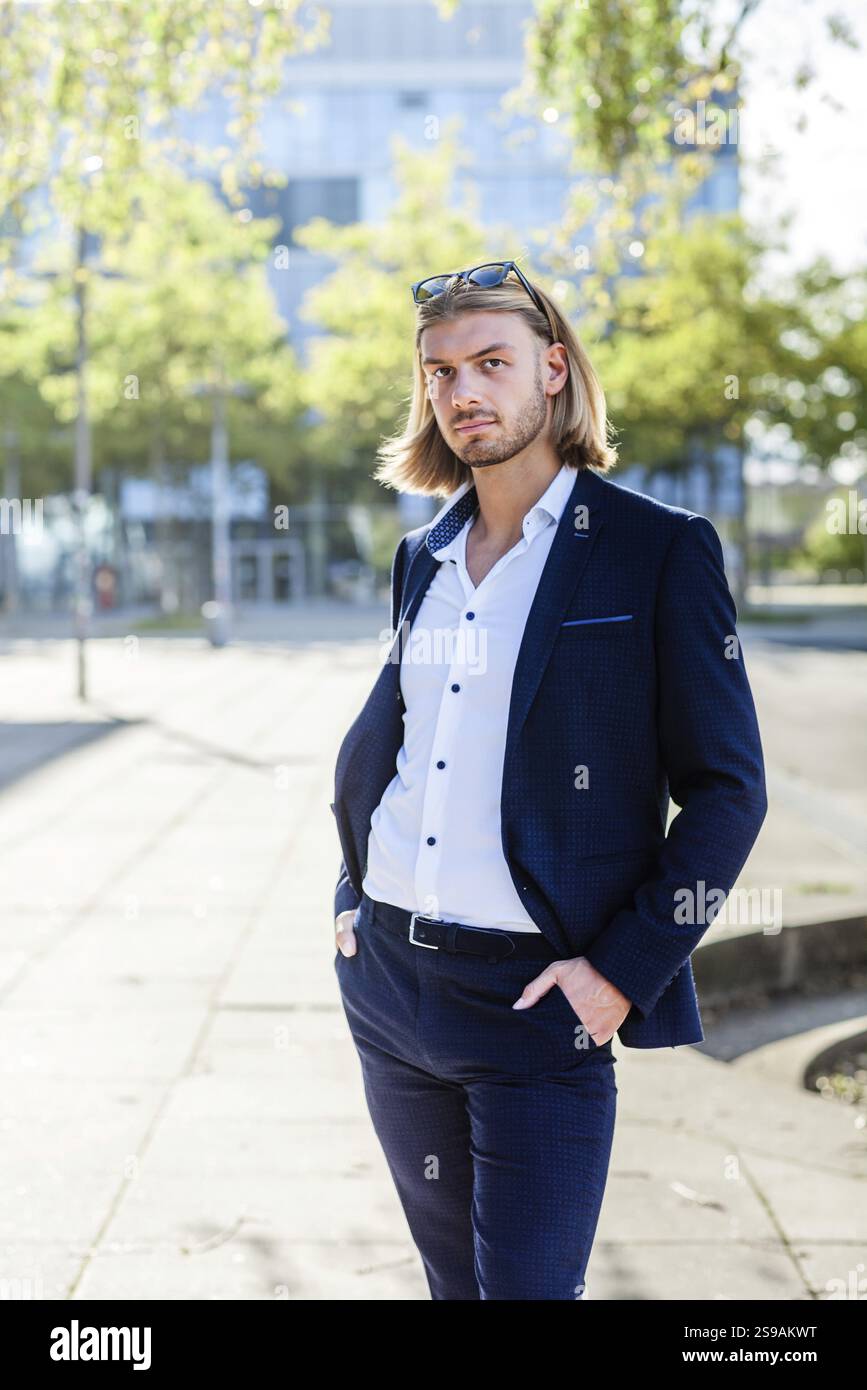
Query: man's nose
x=463 y=392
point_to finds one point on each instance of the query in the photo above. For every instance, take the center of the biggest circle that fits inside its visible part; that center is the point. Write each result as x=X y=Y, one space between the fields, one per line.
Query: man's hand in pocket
x=598 y=1003
x=344 y=936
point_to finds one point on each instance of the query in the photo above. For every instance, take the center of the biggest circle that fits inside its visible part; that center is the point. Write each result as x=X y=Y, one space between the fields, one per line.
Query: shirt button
x=456 y=688
x=431 y=839
x=471 y=615
x=440 y=763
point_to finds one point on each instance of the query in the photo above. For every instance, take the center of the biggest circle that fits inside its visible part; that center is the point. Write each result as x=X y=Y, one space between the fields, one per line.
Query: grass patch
x=821 y=887
x=171 y=621
x=770 y=616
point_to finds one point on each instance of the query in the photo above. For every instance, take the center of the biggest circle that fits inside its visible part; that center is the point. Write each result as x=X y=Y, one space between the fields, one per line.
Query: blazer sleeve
x=345 y=897
x=711 y=750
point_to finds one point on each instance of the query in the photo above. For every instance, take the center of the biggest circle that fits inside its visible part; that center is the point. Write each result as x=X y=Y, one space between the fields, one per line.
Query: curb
x=800 y=960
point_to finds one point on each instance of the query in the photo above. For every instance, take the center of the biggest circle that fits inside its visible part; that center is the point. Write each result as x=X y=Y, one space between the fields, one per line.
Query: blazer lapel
x=582 y=520
x=423 y=565
x=421 y=572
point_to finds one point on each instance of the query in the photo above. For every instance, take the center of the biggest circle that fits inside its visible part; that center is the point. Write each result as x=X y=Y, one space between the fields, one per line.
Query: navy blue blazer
x=629 y=667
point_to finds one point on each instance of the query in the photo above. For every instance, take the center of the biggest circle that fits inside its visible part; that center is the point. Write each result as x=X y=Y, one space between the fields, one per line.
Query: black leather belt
x=432 y=933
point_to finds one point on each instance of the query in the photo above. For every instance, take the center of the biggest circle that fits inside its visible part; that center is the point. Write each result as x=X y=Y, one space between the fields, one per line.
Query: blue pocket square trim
x=620 y=618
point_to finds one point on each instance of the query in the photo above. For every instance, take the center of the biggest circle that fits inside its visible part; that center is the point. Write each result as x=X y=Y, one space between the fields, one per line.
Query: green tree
x=697 y=349
x=90 y=100
x=179 y=310
x=839 y=549
x=35 y=441
x=828 y=417
x=650 y=96
x=696 y=357
x=690 y=350
x=182 y=301
x=97 y=90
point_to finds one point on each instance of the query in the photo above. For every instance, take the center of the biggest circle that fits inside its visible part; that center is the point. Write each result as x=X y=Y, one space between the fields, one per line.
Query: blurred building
x=392 y=67
x=395 y=67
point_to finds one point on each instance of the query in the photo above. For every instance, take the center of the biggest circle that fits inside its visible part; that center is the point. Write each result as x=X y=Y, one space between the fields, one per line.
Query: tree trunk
x=8 y=551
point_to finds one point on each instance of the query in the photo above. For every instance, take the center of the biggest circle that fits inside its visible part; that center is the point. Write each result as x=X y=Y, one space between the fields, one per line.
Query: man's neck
x=506 y=492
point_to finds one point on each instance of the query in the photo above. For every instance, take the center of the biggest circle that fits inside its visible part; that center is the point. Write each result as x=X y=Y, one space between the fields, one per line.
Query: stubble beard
x=529 y=423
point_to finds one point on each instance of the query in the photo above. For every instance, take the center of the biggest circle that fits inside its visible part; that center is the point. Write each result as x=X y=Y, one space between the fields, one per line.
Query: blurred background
x=205 y=208
x=211 y=212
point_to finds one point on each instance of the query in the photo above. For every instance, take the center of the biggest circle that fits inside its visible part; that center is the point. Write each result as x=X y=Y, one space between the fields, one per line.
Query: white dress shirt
x=435 y=841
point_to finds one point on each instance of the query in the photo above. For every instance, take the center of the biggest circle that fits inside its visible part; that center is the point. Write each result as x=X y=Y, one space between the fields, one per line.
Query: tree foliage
x=100 y=90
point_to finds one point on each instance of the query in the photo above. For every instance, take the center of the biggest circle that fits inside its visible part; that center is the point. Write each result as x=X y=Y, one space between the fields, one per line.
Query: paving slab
x=183 y=1111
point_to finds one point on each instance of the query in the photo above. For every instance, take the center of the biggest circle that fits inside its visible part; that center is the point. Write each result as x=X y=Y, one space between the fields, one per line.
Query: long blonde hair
x=418 y=459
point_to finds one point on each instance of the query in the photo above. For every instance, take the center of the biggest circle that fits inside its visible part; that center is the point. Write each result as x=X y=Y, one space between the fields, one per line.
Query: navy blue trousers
x=496 y=1123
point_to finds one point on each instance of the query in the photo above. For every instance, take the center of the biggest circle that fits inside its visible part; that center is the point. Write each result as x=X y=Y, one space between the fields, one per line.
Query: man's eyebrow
x=492 y=347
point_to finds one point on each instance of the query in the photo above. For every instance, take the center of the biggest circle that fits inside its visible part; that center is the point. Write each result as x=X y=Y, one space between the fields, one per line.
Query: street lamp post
x=83 y=469
x=83 y=446
x=218 y=610
x=317 y=541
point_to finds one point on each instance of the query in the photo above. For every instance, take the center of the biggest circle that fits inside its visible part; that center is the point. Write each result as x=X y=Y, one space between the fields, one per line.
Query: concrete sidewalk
x=183 y=1114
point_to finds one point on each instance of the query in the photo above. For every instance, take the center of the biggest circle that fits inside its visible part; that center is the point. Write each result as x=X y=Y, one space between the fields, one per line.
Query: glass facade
x=394 y=67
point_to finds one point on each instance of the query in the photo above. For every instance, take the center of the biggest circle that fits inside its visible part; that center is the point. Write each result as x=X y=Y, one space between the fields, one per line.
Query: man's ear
x=556 y=369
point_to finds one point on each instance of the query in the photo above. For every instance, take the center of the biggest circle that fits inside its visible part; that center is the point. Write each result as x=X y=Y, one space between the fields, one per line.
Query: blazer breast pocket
x=607 y=626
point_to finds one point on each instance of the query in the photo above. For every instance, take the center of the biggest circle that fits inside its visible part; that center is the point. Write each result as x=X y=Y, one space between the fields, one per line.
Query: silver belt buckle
x=412 y=921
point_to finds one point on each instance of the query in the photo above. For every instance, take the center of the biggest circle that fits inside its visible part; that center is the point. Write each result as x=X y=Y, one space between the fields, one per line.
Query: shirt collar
x=457 y=510
x=557 y=493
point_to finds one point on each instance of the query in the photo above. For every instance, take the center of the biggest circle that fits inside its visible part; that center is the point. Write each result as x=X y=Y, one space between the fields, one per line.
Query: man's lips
x=474 y=425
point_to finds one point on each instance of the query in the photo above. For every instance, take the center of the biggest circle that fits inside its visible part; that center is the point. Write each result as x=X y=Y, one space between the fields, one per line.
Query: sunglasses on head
x=492 y=273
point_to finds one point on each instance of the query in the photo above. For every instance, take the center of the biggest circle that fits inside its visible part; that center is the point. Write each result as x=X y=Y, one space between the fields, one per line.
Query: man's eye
x=448 y=369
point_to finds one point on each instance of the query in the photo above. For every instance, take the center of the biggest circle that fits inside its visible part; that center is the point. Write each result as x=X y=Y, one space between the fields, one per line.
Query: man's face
x=488 y=367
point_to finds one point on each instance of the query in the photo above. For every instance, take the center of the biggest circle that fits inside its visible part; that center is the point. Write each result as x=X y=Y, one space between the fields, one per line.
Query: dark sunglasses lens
x=428 y=288
x=489 y=275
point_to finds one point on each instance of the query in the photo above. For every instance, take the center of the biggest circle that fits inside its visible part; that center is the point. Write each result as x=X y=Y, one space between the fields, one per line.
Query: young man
x=565 y=657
